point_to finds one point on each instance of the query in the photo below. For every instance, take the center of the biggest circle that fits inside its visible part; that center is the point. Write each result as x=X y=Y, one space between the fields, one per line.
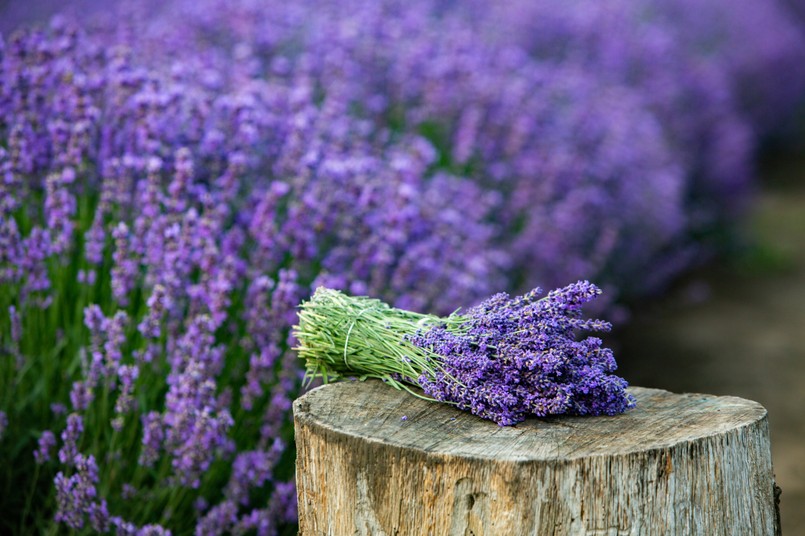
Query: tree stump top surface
x=377 y=412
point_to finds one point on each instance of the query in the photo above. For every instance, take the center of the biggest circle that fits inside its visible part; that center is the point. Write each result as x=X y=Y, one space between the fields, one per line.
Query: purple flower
x=76 y=497
x=46 y=442
x=71 y=435
x=36 y=248
x=128 y=491
x=518 y=357
x=115 y=339
x=95 y=238
x=60 y=207
x=16 y=324
x=158 y=303
x=219 y=520
x=124 y=272
x=153 y=530
x=126 y=528
x=125 y=402
x=261 y=373
x=153 y=437
x=82 y=395
x=16 y=335
x=253 y=469
x=96 y=322
x=196 y=428
x=10 y=250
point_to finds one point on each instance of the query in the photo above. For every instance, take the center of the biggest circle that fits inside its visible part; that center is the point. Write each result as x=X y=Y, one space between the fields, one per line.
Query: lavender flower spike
x=503 y=360
x=46 y=442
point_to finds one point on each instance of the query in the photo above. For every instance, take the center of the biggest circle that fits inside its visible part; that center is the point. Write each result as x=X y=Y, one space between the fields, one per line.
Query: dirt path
x=740 y=330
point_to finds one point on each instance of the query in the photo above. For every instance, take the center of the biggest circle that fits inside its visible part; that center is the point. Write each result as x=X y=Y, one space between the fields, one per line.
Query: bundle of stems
x=342 y=336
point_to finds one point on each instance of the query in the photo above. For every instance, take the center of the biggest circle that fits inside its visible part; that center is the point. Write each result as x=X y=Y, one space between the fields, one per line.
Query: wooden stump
x=374 y=460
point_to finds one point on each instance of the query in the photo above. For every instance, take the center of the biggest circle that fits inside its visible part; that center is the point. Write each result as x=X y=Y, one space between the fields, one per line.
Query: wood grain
x=375 y=461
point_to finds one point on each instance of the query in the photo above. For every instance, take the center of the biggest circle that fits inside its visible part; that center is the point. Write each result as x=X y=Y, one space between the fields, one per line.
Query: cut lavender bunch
x=503 y=360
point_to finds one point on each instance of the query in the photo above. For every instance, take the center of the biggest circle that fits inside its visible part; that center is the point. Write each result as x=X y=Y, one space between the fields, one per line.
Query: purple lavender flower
x=115 y=339
x=282 y=507
x=125 y=271
x=123 y=527
x=219 y=520
x=253 y=469
x=16 y=324
x=60 y=207
x=125 y=402
x=76 y=496
x=519 y=357
x=153 y=437
x=96 y=322
x=10 y=250
x=95 y=238
x=35 y=248
x=16 y=335
x=71 y=436
x=46 y=443
x=261 y=373
x=126 y=528
x=82 y=394
x=281 y=399
x=196 y=427
x=128 y=491
x=153 y=530
x=283 y=501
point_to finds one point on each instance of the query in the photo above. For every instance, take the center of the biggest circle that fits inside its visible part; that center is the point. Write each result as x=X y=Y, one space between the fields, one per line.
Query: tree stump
x=374 y=460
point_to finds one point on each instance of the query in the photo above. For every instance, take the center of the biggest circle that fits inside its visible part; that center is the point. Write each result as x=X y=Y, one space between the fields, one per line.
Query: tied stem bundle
x=502 y=360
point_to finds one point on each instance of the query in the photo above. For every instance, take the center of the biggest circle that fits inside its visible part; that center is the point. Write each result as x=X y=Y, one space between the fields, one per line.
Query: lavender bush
x=156 y=238
x=626 y=42
x=550 y=139
x=531 y=99
x=759 y=44
x=540 y=102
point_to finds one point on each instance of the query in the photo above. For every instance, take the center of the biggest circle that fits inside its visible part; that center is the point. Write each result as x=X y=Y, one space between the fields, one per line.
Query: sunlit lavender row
x=178 y=176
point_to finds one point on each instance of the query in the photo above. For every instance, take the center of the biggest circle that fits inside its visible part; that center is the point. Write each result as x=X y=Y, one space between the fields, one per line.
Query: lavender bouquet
x=502 y=360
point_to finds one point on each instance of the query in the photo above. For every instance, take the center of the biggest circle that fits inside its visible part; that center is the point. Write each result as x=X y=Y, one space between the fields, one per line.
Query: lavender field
x=178 y=176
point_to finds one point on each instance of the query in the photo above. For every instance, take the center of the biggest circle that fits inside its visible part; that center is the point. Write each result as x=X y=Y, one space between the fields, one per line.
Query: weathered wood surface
x=373 y=460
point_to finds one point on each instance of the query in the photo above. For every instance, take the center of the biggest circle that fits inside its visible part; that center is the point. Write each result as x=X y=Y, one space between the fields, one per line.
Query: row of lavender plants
x=653 y=109
x=177 y=177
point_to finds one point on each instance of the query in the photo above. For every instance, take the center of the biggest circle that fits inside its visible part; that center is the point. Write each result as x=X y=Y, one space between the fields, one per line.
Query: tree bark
x=375 y=461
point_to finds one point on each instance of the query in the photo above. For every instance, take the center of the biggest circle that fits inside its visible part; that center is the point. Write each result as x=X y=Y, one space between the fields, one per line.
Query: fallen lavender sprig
x=502 y=360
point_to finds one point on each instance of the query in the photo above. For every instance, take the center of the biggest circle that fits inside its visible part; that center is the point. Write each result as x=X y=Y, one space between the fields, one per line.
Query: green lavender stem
x=343 y=336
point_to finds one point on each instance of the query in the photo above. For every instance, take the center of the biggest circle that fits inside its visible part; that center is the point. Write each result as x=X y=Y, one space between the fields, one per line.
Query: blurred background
x=737 y=327
x=657 y=149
